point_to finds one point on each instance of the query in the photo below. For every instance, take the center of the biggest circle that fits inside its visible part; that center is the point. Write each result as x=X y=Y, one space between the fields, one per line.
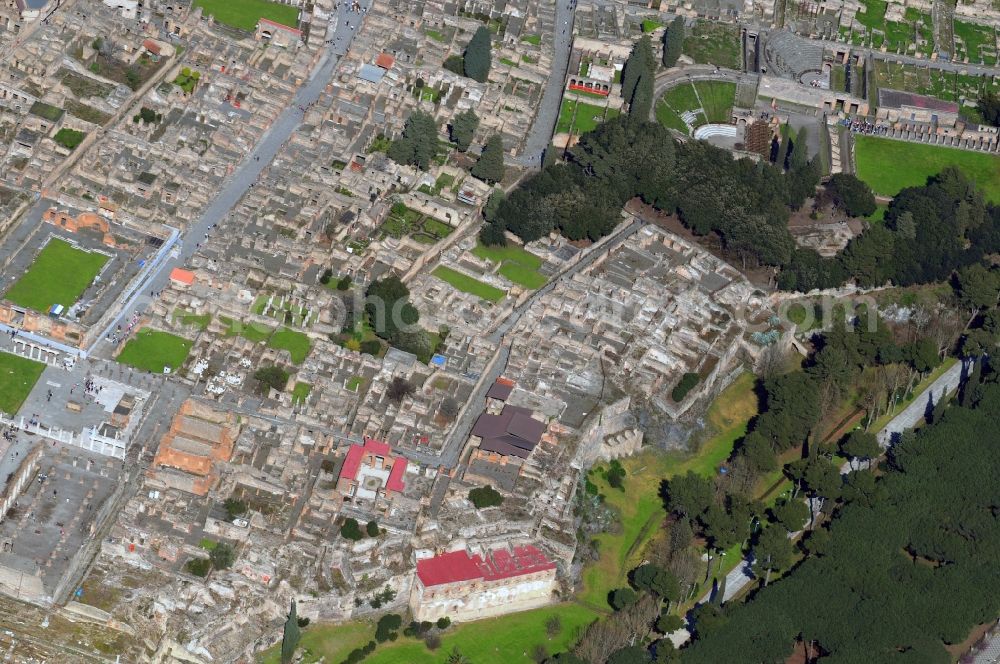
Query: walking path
x=541 y=130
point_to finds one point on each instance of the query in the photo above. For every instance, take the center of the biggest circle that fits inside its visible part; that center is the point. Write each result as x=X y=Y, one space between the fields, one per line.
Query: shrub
x=222 y=556
x=444 y=622
x=387 y=626
x=351 y=530
x=432 y=641
x=622 y=598
x=370 y=347
x=616 y=475
x=687 y=382
x=485 y=496
x=235 y=507
x=372 y=529
x=326 y=276
x=344 y=283
x=198 y=566
x=271 y=377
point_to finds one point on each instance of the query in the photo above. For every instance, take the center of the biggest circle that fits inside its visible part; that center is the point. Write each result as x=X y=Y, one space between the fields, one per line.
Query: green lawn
x=301 y=392
x=254 y=332
x=334 y=642
x=188 y=318
x=17 y=376
x=587 y=117
x=153 y=351
x=532 y=39
x=294 y=342
x=516 y=264
x=69 y=138
x=59 y=275
x=244 y=14
x=669 y=118
x=889 y=166
x=508 y=639
x=467 y=284
x=717 y=99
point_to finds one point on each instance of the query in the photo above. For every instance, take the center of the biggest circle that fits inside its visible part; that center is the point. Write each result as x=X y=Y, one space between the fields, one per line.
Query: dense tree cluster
x=419 y=142
x=886 y=586
x=928 y=232
x=476 y=60
x=745 y=202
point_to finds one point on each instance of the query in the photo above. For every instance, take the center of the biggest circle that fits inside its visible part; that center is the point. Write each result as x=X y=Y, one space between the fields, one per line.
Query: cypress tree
x=477 y=55
x=673 y=42
x=642 y=99
x=639 y=63
x=489 y=168
x=291 y=635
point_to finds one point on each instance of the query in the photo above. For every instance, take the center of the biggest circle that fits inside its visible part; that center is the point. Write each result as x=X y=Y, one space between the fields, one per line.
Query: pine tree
x=463 y=128
x=673 y=42
x=477 y=55
x=489 y=168
x=291 y=635
x=639 y=63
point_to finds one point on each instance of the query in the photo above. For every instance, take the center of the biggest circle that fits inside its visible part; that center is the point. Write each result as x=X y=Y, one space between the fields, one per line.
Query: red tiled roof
x=357 y=453
x=182 y=276
x=280 y=26
x=395 y=481
x=385 y=61
x=499 y=564
x=151 y=46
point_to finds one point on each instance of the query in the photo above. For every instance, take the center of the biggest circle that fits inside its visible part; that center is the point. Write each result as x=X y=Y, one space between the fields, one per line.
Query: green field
x=581 y=117
x=59 y=275
x=17 y=376
x=716 y=99
x=467 y=284
x=516 y=264
x=509 y=639
x=244 y=14
x=153 y=351
x=296 y=343
x=889 y=166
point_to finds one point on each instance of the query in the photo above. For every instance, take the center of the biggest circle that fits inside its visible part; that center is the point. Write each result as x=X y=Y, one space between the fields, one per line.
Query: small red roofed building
x=278 y=34
x=463 y=586
x=385 y=61
x=371 y=475
x=182 y=278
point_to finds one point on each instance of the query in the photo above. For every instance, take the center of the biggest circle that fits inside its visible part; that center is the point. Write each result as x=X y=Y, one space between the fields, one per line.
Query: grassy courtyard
x=516 y=264
x=154 y=351
x=244 y=14
x=580 y=117
x=889 y=166
x=17 y=376
x=467 y=284
x=714 y=43
x=296 y=343
x=59 y=275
